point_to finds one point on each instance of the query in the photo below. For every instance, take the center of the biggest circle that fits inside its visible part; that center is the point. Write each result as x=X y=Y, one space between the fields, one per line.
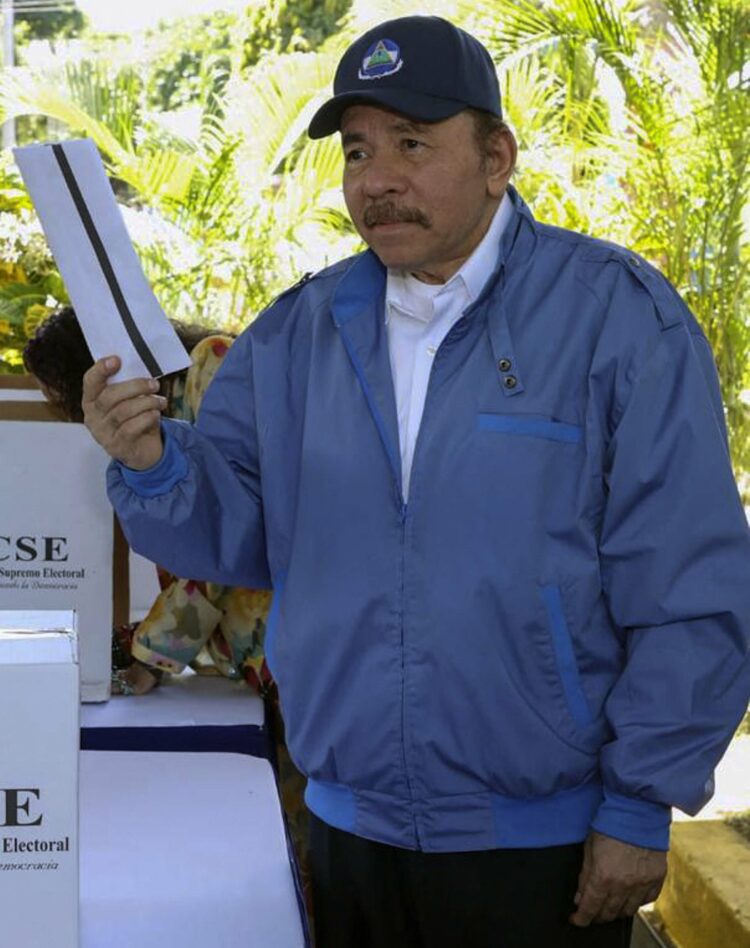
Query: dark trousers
x=368 y=895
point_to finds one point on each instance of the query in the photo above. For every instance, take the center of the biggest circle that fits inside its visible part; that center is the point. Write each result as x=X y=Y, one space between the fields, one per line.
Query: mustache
x=390 y=213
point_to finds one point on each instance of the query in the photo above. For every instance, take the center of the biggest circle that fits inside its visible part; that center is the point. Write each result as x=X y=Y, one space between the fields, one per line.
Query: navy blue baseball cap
x=422 y=66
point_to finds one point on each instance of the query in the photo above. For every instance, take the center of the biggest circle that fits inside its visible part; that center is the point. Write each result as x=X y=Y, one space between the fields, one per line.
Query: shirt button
x=431 y=350
x=504 y=365
x=510 y=381
x=635 y=261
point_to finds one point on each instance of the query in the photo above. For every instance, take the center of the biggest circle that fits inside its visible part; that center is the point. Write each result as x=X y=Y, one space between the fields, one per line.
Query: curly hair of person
x=58 y=356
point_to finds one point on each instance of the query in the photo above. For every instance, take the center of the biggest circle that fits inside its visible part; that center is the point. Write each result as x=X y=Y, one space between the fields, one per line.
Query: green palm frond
x=159 y=175
x=533 y=98
x=322 y=161
x=89 y=105
x=26 y=93
x=271 y=108
x=110 y=96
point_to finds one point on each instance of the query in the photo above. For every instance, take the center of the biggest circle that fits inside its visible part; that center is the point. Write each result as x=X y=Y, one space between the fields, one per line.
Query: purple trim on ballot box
x=273 y=738
x=297 y=879
x=232 y=739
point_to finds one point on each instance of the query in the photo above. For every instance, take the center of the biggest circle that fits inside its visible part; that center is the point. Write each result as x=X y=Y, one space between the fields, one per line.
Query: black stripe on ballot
x=139 y=343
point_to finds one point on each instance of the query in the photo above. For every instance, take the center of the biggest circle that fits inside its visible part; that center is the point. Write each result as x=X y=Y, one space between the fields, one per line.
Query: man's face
x=419 y=194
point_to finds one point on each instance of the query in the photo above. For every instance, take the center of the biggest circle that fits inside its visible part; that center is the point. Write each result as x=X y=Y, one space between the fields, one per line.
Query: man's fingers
x=652 y=892
x=123 y=417
x=130 y=407
x=615 y=879
x=108 y=406
x=115 y=407
x=99 y=397
x=590 y=904
x=612 y=907
x=123 y=440
x=139 y=425
x=636 y=900
x=95 y=380
x=112 y=395
x=585 y=873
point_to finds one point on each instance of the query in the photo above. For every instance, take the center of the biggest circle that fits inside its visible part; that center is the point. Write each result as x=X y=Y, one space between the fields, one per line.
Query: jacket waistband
x=464 y=822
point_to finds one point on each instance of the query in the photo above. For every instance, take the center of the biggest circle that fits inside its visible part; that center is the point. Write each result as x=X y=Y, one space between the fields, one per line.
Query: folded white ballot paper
x=115 y=305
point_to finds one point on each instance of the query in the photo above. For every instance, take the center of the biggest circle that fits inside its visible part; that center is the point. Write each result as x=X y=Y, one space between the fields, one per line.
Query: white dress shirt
x=419 y=316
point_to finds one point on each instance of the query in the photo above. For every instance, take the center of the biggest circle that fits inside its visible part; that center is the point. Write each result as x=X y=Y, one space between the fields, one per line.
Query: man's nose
x=384 y=176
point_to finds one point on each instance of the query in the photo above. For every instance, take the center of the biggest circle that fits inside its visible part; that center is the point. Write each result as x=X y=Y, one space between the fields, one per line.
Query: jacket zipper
x=407 y=777
x=404 y=524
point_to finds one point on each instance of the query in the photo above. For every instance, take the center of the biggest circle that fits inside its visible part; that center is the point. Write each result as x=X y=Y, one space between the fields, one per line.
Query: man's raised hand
x=123 y=417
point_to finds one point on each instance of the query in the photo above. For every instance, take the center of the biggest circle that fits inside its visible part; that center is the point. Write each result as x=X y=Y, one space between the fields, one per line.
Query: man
x=484 y=467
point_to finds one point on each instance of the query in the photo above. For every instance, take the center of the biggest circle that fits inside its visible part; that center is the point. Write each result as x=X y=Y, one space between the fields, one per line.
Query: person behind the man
x=483 y=465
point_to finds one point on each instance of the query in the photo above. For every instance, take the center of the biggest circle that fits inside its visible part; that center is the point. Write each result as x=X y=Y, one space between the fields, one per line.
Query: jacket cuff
x=634 y=821
x=169 y=470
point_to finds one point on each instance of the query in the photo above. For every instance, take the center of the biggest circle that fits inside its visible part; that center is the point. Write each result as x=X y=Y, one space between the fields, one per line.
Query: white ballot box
x=38 y=780
x=184 y=851
x=57 y=530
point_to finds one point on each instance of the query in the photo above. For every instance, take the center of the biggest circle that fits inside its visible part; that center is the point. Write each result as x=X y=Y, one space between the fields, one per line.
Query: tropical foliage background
x=633 y=118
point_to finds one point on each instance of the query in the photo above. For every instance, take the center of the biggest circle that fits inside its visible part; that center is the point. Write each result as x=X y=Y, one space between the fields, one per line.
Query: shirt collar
x=470 y=278
x=477 y=269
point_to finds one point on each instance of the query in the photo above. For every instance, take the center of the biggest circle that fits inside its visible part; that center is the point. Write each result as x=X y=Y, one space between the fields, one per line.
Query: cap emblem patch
x=383 y=58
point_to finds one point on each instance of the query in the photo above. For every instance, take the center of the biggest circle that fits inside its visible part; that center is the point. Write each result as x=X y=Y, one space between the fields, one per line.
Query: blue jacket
x=553 y=634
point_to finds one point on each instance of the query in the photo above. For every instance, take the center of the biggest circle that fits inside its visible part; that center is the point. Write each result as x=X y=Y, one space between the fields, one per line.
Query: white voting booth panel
x=56 y=535
x=144 y=586
x=184 y=851
x=38 y=780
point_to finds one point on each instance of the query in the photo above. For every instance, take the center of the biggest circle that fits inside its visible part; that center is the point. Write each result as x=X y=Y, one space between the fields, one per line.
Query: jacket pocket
x=567 y=666
x=531 y=426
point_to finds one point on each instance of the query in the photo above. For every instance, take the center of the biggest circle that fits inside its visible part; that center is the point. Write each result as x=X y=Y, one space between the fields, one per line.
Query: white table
x=186 y=713
x=183 y=851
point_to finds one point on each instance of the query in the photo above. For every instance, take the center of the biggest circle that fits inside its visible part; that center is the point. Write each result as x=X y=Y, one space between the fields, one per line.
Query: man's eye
x=356 y=154
x=411 y=144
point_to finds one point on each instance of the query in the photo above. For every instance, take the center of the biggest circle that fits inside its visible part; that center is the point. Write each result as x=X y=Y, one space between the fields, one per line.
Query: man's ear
x=500 y=160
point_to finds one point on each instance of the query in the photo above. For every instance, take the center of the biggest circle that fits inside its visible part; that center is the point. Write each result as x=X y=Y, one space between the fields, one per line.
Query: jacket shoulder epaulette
x=667 y=304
